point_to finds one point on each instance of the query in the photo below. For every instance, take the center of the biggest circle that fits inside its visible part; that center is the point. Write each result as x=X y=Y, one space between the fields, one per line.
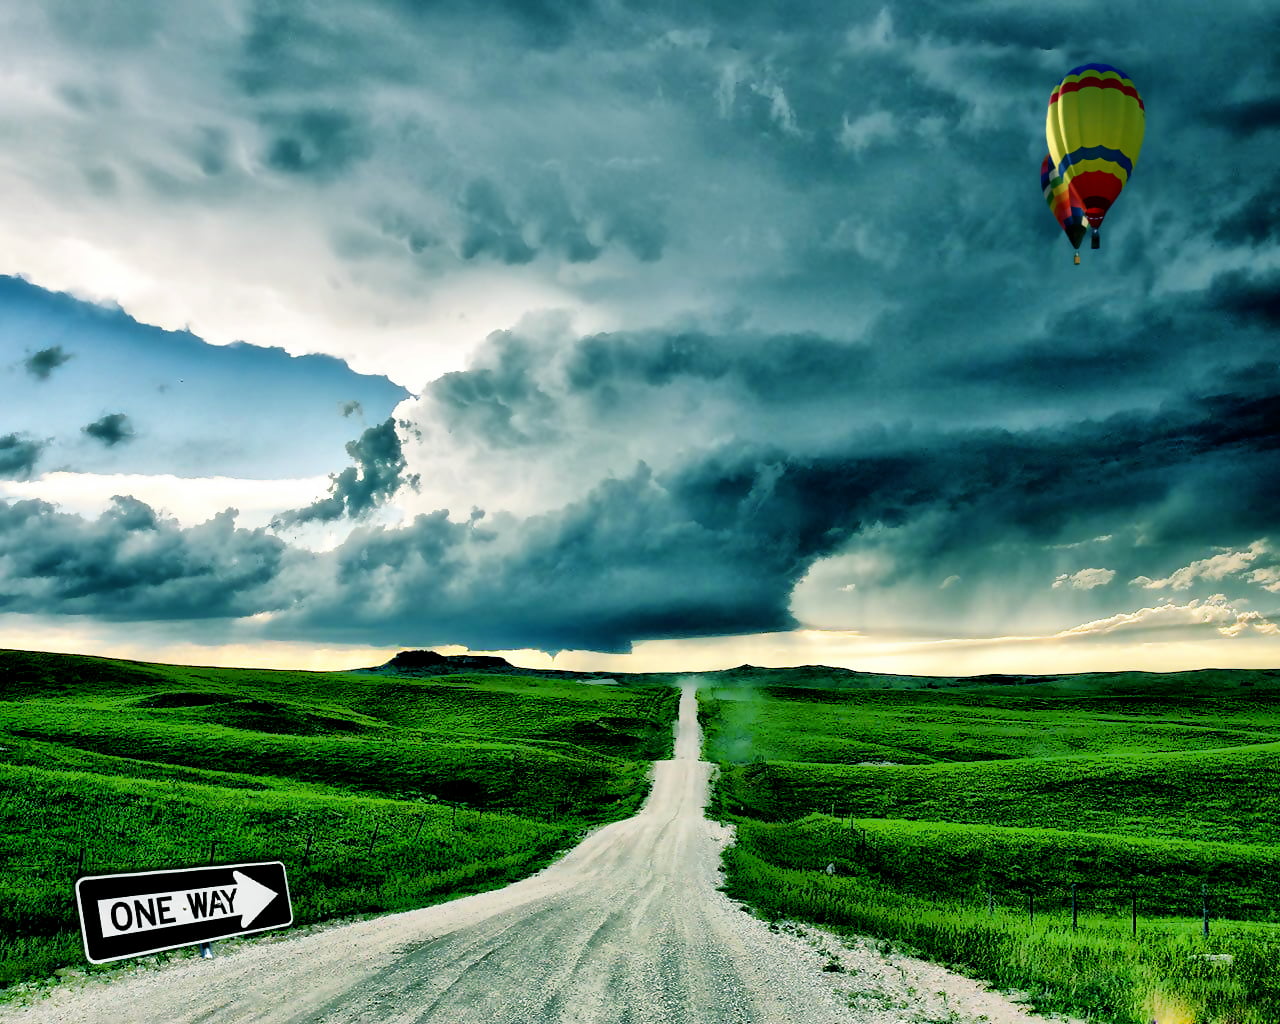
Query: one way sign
x=151 y=911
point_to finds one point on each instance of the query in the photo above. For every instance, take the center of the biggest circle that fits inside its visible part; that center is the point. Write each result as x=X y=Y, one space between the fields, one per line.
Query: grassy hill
x=378 y=792
x=961 y=817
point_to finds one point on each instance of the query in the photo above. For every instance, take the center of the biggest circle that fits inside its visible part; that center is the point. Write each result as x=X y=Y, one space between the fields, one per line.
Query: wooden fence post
x=1031 y=907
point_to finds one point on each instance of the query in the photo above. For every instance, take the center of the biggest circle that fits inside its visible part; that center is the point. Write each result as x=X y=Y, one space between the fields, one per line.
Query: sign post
x=151 y=911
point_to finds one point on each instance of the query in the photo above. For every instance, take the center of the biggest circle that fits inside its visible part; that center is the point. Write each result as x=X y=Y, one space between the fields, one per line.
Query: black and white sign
x=151 y=911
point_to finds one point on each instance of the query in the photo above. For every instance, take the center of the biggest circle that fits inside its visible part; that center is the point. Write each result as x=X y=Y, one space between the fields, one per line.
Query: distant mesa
x=433 y=661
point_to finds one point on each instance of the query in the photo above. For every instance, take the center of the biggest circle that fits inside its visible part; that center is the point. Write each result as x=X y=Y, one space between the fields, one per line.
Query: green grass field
x=952 y=811
x=377 y=792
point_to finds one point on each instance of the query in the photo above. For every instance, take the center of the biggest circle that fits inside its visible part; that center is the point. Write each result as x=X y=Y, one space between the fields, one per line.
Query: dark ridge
x=433 y=660
x=432 y=663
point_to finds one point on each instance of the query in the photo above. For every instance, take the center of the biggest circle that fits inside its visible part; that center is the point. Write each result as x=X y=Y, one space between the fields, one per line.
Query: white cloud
x=963 y=70
x=731 y=75
x=1247 y=620
x=864 y=131
x=1085 y=579
x=1214 y=611
x=779 y=107
x=1268 y=578
x=1103 y=539
x=876 y=34
x=1217 y=567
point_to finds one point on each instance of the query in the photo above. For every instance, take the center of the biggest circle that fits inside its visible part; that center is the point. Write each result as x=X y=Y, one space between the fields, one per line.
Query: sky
x=628 y=337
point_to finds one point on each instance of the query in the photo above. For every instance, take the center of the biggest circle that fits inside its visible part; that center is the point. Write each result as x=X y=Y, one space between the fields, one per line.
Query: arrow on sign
x=244 y=898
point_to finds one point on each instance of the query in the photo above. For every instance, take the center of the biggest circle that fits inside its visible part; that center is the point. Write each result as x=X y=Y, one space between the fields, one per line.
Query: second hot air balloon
x=1065 y=204
x=1094 y=127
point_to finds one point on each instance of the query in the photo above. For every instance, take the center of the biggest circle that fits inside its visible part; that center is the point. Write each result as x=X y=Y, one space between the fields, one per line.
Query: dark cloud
x=119 y=27
x=638 y=223
x=1248 y=296
x=769 y=367
x=541 y=24
x=490 y=229
x=18 y=455
x=299 y=46
x=295 y=47
x=501 y=402
x=624 y=563
x=317 y=143
x=525 y=392
x=213 y=150
x=112 y=429
x=515 y=225
x=404 y=228
x=851 y=338
x=718 y=543
x=1043 y=28
x=130 y=563
x=1247 y=118
x=557 y=227
x=359 y=489
x=1256 y=220
x=44 y=362
x=715 y=544
x=352 y=408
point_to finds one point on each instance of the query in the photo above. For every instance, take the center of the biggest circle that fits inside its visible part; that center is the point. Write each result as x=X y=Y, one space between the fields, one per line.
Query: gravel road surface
x=627 y=928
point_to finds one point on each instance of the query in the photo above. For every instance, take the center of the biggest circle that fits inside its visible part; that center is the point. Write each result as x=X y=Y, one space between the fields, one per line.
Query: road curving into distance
x=627 y=928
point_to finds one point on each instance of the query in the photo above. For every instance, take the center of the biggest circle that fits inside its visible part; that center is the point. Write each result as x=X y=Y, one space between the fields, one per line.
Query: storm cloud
x=716 y=321
x=132 y=563
x=719 y=542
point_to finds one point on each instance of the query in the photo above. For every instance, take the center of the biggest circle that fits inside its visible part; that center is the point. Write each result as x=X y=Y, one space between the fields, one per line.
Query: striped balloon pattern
x=1064 y=202
x=1094 y=127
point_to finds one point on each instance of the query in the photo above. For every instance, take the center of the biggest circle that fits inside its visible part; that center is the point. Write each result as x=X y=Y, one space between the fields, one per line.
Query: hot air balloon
x=1094 y=127
x=1065 y=204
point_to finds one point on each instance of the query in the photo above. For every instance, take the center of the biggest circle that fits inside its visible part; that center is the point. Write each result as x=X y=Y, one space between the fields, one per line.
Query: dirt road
x=628 y=928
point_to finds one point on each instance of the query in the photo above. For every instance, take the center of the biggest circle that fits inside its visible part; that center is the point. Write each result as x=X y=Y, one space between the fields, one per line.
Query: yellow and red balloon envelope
x=1094 y=127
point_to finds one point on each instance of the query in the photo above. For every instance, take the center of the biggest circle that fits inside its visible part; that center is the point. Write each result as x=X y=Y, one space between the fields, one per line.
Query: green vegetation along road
x=1066 y=836
x=627 y=927
x=378 y=792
